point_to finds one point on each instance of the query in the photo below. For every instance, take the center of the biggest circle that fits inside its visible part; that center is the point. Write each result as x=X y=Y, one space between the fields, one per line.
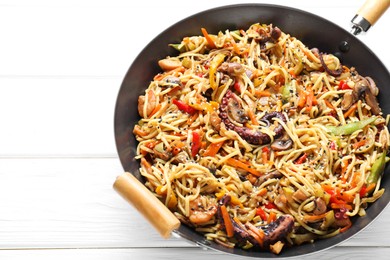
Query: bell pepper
x=184 y=107
x=214 y=64
x=377 y=169
x=261 y=213
x=343 y=85
x=196 y=143
x=286 y=92
x=351 y=127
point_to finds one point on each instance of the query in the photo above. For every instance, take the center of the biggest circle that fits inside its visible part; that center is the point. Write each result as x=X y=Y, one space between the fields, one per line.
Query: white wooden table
x=61 y=66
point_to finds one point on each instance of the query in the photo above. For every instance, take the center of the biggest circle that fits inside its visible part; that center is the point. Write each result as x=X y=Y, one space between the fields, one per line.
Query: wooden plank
x=178 y=253
x=57 y=116
x=88 y=38
x=70 y=203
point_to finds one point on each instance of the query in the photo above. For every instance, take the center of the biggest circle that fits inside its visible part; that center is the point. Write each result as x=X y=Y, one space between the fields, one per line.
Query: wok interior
x=312 y=30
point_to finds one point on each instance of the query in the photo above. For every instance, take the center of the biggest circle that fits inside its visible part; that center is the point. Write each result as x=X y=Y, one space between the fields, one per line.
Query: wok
x=312 y=30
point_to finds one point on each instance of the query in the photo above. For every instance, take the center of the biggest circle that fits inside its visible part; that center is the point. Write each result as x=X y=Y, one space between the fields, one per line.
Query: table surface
x=61 y=66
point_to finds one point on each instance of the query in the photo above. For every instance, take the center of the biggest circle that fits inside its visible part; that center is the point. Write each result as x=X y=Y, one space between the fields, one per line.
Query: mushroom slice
x=362 y=88
x=236 y=112
x=282 y=144
x=349 y=99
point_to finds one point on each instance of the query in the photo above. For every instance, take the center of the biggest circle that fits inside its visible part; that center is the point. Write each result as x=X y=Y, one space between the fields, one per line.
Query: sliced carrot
x=252 y=117
x=213 y=149
x=302 y=96
x=257 y=233
x=344 y=168
x=313 y=218
x=340 y=206
x=265 y=154
x=208 y=38
x=138 y=131
x=251 y=178
x=154 y=111
x=262 y=192
x=146 y=166
x=227 y=221
x=235 y=47
x=271 y=217
x=192 y=118
x=351 y=110
x=328 y=104
x=343 y=229
x=359 y=144
x=243 y=165
x=262 y=93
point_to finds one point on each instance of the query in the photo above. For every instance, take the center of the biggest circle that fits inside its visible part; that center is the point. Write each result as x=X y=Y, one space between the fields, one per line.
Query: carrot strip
x=271 y=217
x=235 y=47
x=340 y=206
x=157 y=108
x=262 y=192
x=192 y=118
x=252 y=117
x=346 y=227
x=227 y=221
x=208 y=38
x=257 y=233
x=359 y=144
x=237 y=163
x=313 y=218
x=265 y=154
x=302 y=96
x=262 y=93
x=213 y=149
x=137 y=130
x=351 y=110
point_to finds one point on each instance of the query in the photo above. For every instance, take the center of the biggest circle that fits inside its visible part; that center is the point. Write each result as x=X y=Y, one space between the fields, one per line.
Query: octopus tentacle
x=249 y=135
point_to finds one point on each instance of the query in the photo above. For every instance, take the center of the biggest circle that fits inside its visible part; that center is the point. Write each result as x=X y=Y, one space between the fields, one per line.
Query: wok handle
x=134 y=192
x=368 y=14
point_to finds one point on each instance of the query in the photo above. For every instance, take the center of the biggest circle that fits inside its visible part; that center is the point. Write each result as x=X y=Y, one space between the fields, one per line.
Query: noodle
x=257 y=124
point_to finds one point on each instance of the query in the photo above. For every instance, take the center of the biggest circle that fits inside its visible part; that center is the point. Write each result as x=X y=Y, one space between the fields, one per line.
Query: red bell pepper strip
x=261 y=213
x=196 y=143
x=343 y=85
x=184 y=107
x=301 y=159
x=270 y=205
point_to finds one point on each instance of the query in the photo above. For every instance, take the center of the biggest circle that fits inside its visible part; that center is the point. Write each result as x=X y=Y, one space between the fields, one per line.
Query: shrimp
x=150 y=105
x=200 y=214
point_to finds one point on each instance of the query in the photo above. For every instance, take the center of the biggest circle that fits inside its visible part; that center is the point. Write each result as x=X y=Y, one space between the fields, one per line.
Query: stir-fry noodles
x=259 y=142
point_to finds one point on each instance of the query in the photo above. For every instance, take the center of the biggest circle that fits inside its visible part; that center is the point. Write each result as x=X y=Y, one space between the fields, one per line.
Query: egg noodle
x=259 y=142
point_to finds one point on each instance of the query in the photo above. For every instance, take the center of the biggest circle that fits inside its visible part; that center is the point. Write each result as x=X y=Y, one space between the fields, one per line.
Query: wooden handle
x=372 y=10
x=134 y=192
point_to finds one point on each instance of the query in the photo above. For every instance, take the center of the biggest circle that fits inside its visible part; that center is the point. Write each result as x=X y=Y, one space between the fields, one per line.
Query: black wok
x=312 y=30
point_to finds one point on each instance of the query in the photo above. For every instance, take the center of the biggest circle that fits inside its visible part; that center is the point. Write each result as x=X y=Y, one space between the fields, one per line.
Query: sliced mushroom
x=373 y=88
x=349 y=99
x=215 y=121
x=181 y=157
x=236 y=112
x=282 y=144
x=363 y=89
x=275 y=174
x=320 y=206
